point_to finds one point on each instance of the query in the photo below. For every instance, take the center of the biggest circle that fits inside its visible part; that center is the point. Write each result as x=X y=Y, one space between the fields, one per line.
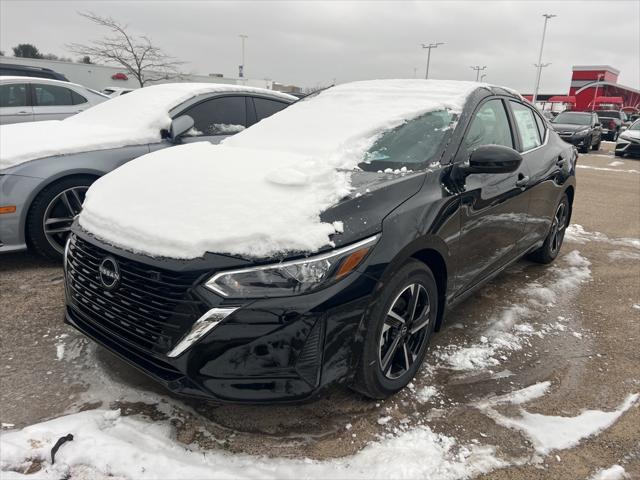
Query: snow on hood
x=261 y=192
x=133 y=119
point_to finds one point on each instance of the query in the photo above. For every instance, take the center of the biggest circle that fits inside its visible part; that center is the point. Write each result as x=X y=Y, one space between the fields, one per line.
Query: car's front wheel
x=398 y=331
x=585 y=147
x=52 y=213
x=596 y=147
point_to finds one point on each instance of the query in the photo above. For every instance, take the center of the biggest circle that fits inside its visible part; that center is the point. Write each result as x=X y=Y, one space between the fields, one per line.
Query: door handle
x=22 y=112
x=522 y=181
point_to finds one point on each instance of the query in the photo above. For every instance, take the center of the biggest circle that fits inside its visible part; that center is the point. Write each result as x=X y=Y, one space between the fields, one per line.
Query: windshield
x=573 y=118
x=635 y=125
x=608 y=113
x=412 y=145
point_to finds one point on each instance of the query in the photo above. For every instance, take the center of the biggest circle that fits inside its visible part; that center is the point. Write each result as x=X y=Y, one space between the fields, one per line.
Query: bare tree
x=146 y=62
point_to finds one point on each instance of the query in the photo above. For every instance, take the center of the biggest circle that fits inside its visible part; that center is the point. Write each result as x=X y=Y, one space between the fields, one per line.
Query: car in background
x=112 y=92
x=612 y=122
x=29 y=99
x=548 y=114
x=629 y=141
x=440 y=203
x=581 y=129
x=47 y=167
x=13 y=70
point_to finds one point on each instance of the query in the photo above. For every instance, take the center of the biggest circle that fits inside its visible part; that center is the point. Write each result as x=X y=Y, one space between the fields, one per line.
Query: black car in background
x=9 y=69
x=581 y=129
x=612 y=122
x=484 y=188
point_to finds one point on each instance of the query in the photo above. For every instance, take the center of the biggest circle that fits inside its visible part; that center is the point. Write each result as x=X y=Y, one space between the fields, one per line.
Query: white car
x=112 y=92
x=31 y=99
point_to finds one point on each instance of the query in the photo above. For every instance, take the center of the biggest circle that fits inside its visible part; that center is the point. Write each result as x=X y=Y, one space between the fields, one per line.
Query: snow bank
x=261 y=192
x=132 y=119
x=615 y=472
x=106 y=443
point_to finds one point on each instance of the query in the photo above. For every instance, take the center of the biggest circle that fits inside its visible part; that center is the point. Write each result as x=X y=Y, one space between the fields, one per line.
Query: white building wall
x=98 y=77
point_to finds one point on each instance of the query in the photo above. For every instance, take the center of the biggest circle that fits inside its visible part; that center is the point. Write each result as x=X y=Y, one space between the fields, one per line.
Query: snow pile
x=508 y=330
x=577 y=234
x=106 y=443
x=261 y=192
x=615 y=472
x=133 y=119
x=549 y=432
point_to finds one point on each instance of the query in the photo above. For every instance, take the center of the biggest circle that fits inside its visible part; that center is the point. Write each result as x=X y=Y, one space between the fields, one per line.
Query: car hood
x=568 y=127
x=631 y=134
x=187 y=201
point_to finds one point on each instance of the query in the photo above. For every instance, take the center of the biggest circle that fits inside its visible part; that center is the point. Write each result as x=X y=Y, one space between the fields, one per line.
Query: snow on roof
x=133 y=119
x=261 y=192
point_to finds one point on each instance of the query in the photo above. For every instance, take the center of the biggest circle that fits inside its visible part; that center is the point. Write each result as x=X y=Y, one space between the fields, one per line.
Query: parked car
x=13 y=70
x=581 y=129
x=612 y=121
x=27 y=99
x=116 y=91
x=46 y=168
x=358 y=217
x=629 y=141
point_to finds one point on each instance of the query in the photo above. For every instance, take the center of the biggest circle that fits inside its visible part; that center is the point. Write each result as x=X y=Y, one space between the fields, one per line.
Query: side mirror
x=597 y=124
x=180 y=126
x=492 y=159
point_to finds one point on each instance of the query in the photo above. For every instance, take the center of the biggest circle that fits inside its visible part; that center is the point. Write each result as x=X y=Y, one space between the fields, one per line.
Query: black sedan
x=440 y=204
x=581 y=129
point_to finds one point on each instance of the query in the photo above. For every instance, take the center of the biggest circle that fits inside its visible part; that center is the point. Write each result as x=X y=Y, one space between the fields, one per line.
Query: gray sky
x=310 y=43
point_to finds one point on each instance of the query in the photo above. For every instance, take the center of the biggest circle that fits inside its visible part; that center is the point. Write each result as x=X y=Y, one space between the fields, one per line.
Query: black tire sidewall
x=36 y=238
x=375 y=384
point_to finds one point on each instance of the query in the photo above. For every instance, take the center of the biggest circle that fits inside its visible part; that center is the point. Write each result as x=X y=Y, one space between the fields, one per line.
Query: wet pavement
x=575 y=324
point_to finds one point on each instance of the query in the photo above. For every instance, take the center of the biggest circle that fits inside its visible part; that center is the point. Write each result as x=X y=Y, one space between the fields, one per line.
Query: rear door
x=15 y=103
x=261 y=108
x=545 y=162
x=493 y=207
x=216 y=118
x=54 y=102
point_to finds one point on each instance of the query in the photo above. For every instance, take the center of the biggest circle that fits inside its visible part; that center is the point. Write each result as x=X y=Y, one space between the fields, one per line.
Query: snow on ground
x=550 y=432
x=615 y=472
x=509 y=330
x=107 y=443
x=261 y=192
x=606 y=169
x=577 y=234
x=133 y=119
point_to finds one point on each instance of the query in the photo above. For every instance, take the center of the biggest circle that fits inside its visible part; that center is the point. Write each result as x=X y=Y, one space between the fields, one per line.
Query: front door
x=493 y=207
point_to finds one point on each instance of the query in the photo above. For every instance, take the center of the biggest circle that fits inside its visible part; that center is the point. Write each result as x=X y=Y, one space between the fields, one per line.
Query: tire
x=413 y=280
x=614 y=136
x=549 y=250
x=596 y=147
x=585 y=147
x=619 y=154
x=59 y=202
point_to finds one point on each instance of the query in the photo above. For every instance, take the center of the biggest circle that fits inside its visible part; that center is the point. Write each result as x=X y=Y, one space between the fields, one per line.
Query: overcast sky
x=310 y=43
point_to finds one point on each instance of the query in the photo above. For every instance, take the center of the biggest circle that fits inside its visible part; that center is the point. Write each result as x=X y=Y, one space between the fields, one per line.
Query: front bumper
x=629 y=147
x=266 y=351
x=15 y=190
x=578 y=141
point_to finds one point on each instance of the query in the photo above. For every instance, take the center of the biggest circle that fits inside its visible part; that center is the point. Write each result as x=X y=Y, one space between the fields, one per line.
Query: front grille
x=150 y=308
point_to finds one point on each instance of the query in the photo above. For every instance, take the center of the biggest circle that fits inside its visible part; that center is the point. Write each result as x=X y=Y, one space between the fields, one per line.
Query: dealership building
x=593 y=87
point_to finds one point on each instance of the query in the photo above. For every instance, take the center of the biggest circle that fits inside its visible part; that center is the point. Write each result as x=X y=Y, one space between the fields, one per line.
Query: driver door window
x=217 y=117
x=490 y=126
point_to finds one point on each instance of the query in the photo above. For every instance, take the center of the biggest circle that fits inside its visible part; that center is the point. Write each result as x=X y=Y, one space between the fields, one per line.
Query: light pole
x=429 y=47
x=482 y=76
x=478 y=69
x=595 y=94
x=241 y=68
x=546 y=16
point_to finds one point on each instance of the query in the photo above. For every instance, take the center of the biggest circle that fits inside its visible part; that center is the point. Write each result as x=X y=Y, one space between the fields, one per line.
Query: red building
x=596 y=87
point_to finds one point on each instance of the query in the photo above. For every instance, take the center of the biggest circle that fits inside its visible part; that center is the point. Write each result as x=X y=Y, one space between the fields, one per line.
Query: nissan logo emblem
x=109 y=273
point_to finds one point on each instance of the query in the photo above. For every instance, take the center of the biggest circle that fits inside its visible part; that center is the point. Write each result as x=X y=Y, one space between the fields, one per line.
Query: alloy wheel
x=60 y=213
x=557 y=227
x=404 y=331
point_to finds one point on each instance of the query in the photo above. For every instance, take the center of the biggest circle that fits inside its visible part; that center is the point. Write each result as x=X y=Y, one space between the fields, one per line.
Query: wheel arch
x=570 y=191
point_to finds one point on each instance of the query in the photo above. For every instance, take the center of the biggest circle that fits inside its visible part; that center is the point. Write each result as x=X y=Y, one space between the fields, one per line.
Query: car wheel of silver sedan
x=52 y=213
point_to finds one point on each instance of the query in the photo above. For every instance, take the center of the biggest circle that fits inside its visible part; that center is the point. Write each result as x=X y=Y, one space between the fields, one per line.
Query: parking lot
x=575 y=325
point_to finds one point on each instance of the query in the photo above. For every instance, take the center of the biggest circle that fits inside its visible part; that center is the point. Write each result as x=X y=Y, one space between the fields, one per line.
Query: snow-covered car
x=30 y=99
x=112 y=92
x=629 y=141
x=46 y=167
x=322 y=245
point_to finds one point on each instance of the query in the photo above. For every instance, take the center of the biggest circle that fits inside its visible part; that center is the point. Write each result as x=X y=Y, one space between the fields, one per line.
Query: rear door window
x=218 y=116
x=13 y=95
x=51 y=95
x=77 y=99
x=265 y=107
x=527 y=126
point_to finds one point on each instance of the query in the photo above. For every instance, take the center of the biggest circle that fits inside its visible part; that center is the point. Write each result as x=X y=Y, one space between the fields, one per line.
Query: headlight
x=293 y=277
x=624 y=136
x=582 y=132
